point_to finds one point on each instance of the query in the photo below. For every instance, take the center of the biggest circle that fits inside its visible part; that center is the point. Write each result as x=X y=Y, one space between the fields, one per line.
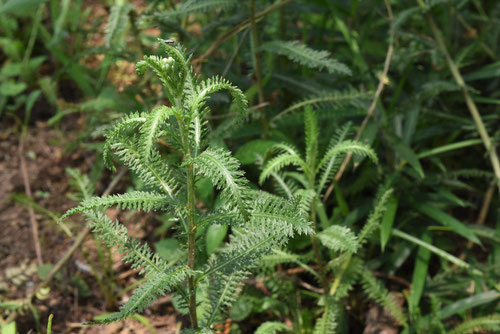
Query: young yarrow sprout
x=259 y=221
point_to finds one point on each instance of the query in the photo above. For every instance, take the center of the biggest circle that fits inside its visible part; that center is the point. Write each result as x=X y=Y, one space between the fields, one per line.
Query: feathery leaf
x=117 y=22
x=272 y=327
x=333 y=164
x=223 y=169
x=312 y=134
x=143 y=296
x=329 y=101
x=347 y=146
x=150 y=130
x=304 y=55
x=124 y=125
x=327 y=324
x=152 y=172
x=375 y=290
x=339 y=238
x=137 y=200
x=279 y=162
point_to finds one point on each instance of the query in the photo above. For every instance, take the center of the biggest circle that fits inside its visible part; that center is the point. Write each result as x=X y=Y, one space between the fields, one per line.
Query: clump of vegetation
x=361 y=195
x=260 y=221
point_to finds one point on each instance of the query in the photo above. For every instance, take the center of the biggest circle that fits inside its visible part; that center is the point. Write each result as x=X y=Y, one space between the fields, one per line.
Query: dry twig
x=27 y=189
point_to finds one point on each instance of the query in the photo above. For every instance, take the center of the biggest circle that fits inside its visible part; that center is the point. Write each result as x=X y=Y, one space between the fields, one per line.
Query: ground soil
x=46 y=161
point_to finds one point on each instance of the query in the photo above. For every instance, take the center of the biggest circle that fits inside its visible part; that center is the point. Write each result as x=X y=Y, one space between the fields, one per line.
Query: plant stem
x=490 y=148
x=369 y=114
x=27 y=189
x=315 y=245
x=338 y=279
x=258 y=71
x=191 y=244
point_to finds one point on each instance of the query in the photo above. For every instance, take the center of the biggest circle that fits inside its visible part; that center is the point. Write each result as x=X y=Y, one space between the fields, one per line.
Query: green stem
x=338 y=279
x=315 y=245
x=191 y=244
x=191 y=207
x=490 y=148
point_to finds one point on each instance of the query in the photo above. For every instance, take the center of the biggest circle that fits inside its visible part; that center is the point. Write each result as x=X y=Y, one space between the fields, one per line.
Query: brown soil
x=46 y=161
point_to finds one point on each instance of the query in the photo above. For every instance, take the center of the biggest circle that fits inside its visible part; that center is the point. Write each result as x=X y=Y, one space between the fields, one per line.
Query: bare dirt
x=46 y=161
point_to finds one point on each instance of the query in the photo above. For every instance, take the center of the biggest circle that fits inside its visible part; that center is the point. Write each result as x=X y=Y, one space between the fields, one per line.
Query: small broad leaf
x=9 y=328
x=12 y=88
x=248 y=152
x=215 y=236
x=16 y=5
x=388 y=221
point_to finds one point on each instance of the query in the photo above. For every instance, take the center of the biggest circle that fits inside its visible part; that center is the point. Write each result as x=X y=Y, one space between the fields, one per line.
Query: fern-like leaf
x=347 y=146
x=273 y=221
x=285 y=217
x=349 y=270
x=80 y=183
x=272 y=327
x=136 y=200
x=333 y=164
x=327 y=324
x=114 y=234
x=375 y=217
x=151 y=128
x=152 y=172
x=223 y=170
x=284 y=187
x=183 y=9
x=306 y=198
x=287 y=148
x=212 y=85
x=223 y=292
x=172 y=70
x=143 y=296
x=328 y=101
x=279 y=162
x=304 y=55
x=478 y=325
x=312 y=134
x=124 y=125
x=376 y=291
x=117 y=22
x=339 y=239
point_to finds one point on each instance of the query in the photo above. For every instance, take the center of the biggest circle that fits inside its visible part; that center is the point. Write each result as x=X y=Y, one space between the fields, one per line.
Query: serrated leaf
x=304 y=55
x=248 y=152
x=339 y=238
x=272 y=327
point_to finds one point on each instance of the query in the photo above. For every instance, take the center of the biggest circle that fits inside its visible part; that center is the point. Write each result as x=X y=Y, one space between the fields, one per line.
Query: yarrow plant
x=259 y=221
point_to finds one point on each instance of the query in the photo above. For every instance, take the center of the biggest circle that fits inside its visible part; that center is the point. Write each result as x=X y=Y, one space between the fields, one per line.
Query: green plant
x=259 y=221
